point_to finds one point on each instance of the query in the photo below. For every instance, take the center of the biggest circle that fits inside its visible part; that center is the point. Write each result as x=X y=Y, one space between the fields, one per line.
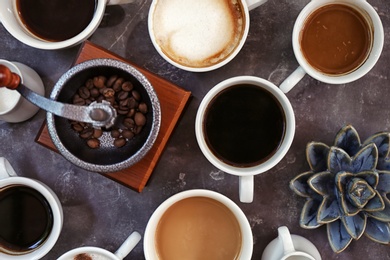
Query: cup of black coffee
x=31 y=216
x=53 y=24
x=245 y=126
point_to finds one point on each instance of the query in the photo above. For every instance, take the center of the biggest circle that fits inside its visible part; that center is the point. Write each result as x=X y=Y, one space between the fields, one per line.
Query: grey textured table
x=101 y=212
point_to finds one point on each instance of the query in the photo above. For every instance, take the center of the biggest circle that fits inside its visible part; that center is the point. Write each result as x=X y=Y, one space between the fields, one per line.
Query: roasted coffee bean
x=93 y=143
x=89 y=83
x=127 y=86
x=99 y=81
x=115 y=133
x=127 y=134
x=132 y=103
x=77 y=100
x=111 y=80
x=131 y=113
x=136 y=95
x=111 y=100
x=143 y=108
x=76 y=96
x=77 y=127
x=97 y=133
x=94 y=92
x=118 y=84
x=137 y=129
x=128 y=123
x=140 y=119
x=122 y=110
x=108 y=92
x=86 y=133
x=124 y=103
x=119 y=142
x=122 y=95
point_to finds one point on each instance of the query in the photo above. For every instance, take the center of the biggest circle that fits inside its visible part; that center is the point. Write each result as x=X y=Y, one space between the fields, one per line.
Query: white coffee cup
x=150 y=250
x=8 y=177
x=246 y=174
x=96 y=253
x=10 y=19
x=287 y=246
x=367 y=11
x=13 y=107
x=183 y=24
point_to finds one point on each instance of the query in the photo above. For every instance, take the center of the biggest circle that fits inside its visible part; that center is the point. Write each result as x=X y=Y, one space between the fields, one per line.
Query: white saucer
x=272 y=252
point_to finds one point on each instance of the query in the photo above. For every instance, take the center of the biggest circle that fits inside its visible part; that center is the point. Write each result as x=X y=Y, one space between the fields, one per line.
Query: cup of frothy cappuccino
x=199 y=35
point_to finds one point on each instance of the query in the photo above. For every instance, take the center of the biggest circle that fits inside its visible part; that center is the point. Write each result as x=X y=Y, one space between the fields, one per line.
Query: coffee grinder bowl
x=106 y=158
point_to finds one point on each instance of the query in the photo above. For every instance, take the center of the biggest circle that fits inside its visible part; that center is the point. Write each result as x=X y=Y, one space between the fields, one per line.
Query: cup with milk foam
x=199 y=35
x=13 y=107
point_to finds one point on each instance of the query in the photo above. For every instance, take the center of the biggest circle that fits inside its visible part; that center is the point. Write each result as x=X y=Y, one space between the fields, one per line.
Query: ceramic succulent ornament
x=347 y=188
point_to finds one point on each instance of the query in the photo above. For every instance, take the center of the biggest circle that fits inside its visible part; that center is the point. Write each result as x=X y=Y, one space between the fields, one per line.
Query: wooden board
x=173 y=100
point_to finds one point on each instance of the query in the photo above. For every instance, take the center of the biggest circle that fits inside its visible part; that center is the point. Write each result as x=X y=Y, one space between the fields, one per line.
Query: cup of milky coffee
x=335 y=42
x=199 y=35
x=13 y=107
x=244 y=126
x=97 y=253
x=30 y=216
x=53 y=24
x=198 y=224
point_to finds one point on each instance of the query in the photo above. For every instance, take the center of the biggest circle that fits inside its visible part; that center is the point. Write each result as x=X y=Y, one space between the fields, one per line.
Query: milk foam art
x=198 y=33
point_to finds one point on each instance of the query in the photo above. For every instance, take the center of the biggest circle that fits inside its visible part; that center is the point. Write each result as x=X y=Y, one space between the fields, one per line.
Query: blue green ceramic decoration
x=347 y=188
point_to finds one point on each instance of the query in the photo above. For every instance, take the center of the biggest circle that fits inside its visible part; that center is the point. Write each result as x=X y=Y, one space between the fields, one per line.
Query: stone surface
x=100 y=212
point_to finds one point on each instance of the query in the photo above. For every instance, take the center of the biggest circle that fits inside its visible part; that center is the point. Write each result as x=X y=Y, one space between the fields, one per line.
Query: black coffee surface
x=26 y=218
x=56 y=20
x=244 y=125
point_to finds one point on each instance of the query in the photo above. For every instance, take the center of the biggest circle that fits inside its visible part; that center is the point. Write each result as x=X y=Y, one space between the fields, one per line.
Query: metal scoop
x=97 y=114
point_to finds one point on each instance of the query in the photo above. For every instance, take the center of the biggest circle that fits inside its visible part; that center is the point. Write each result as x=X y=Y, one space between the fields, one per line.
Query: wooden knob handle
x=8 y=79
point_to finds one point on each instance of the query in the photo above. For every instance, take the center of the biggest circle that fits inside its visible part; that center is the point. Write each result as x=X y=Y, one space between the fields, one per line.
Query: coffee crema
x=26 y=219
x=55 y=20
x=198 y=33
x=244 y=125
x=336 y=39
x=198 y=228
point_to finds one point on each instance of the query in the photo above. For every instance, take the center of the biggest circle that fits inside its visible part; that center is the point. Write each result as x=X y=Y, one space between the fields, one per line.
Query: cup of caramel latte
x=199 y=224
x=199 y=35
x=335 y=42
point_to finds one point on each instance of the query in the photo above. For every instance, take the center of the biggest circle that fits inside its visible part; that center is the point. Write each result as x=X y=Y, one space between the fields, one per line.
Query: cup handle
x=252 y=4
x=292 y=80
x=128 y=245
x=6 y=169
x=285 y=236
x=246 y=188
x=119 y=2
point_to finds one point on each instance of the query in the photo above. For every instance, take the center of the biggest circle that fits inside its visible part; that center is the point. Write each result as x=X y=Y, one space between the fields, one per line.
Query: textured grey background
x=100 y=212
